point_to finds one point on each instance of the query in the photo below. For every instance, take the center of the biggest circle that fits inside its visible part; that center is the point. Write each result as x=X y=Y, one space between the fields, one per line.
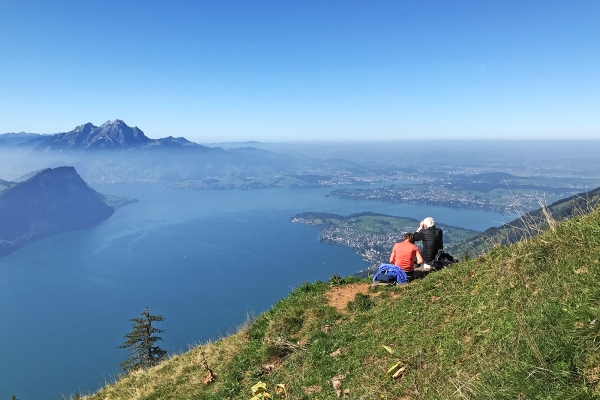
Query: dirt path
x=340 y=296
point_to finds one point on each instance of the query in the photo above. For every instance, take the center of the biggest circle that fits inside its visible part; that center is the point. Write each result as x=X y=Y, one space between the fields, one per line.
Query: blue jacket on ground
x=393 y=270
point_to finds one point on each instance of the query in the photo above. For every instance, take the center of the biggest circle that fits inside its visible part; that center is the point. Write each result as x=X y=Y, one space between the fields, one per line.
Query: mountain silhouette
x=109 y=135
x=51 y=201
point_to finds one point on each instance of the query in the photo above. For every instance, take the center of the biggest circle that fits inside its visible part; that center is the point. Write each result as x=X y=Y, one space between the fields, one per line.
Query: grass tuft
x=361 y=302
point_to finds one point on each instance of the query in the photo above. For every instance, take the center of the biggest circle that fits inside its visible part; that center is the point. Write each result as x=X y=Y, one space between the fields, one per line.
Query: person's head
x=428 y=222
x=410 y=237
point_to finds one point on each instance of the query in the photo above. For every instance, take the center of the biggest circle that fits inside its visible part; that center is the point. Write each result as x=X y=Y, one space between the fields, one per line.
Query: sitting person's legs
x=416 y=274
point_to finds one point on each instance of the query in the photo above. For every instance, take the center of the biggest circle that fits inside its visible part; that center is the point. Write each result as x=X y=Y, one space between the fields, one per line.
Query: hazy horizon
x=329 y=141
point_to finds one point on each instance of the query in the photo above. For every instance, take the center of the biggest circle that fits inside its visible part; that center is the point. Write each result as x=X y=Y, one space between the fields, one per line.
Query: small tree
x=143 y=353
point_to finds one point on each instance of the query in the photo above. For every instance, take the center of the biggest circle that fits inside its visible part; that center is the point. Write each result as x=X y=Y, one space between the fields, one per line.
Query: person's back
x=404 y=254
x=432 y=239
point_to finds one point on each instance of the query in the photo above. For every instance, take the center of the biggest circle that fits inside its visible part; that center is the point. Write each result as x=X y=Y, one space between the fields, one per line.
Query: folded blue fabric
x=393 y=270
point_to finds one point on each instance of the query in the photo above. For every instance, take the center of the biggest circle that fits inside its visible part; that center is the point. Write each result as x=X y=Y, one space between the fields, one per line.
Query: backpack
x=443 y=260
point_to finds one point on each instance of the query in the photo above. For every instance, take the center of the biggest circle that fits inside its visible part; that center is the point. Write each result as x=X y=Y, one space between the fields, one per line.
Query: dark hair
x=410 y=237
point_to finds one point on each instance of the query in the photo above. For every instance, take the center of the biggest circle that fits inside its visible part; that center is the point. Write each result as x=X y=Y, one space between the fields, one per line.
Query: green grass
x=522 y=322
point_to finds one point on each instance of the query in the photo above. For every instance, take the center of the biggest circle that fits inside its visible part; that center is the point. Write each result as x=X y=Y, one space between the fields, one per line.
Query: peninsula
x=51 y=201
x=373 y=235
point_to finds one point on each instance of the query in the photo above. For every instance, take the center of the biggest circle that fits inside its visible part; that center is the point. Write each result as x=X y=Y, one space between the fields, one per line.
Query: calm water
x=203 y=259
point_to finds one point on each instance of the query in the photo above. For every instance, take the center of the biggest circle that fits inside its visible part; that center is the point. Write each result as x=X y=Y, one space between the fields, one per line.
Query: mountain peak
x=117 y=134
x=112 y=134
x=116 y=122
x=87 y=126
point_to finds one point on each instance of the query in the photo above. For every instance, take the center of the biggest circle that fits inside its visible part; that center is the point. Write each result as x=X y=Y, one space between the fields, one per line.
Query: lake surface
x=205 y=260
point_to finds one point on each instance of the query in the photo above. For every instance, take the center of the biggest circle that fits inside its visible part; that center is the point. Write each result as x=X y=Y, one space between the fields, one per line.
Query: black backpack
x=443 y=260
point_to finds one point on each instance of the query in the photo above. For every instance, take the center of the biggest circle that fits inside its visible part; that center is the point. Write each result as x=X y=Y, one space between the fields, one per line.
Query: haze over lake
x=203 y=259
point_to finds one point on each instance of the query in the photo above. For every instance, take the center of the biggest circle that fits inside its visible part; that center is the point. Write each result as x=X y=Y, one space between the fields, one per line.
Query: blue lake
x=205 y=260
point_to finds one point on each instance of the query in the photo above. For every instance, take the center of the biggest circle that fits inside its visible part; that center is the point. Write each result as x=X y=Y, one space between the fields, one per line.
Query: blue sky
x=304 y=70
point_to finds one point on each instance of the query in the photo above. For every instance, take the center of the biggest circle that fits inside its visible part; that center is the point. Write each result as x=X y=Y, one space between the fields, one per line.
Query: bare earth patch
x=340 y=296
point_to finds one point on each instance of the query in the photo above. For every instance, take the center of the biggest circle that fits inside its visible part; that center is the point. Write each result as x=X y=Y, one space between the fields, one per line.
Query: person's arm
x=418 y=235
x=393 y=256
x=419 y=257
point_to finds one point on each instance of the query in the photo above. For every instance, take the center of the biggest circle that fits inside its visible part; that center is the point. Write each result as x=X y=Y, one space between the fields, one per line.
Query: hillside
x=522 y=322
x=49 y=202
x=530 y=224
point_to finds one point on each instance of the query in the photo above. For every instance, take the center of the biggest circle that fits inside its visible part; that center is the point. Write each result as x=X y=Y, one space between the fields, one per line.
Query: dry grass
x=184 y=370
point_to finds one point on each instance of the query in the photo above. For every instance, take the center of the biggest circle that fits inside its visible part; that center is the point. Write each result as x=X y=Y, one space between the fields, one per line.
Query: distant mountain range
x=115 y=152
x=110 y=135
x=49 y=202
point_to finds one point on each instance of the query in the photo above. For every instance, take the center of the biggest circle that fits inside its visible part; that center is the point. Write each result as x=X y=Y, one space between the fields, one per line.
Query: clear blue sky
x=304 y=70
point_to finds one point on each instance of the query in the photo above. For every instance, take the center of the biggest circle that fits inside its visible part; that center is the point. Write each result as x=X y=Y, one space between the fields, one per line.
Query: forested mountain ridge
x=51 y=201
x=531 y=223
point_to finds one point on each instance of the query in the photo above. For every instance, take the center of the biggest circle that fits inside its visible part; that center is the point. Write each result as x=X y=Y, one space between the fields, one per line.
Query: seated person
x=432 y=241
x=403 y=255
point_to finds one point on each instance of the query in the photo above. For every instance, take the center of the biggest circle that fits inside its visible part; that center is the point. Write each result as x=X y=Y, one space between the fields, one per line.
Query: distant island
x=48 y=202
x=373 y=235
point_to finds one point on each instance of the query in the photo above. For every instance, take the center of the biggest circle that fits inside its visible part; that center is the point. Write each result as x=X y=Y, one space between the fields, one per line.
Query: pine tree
x=143 y=353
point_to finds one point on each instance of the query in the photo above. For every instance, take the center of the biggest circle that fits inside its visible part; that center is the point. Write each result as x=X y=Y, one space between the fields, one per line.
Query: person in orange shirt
x=403 y=256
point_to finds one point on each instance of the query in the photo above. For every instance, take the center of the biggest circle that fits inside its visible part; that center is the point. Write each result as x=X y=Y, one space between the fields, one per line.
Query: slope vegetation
x=531 y=224
x=521 y=322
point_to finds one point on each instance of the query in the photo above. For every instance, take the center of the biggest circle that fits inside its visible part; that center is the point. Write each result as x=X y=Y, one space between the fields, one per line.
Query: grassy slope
x=530 y=224
x=520 y=322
